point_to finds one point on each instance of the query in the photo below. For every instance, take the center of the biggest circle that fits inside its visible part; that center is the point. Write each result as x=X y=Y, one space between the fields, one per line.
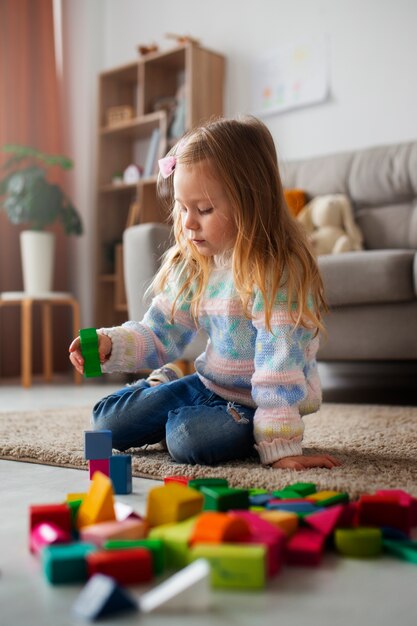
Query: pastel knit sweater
x=275 y=372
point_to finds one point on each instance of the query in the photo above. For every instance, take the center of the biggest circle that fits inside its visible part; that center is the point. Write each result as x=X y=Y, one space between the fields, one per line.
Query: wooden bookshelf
x=142 y=90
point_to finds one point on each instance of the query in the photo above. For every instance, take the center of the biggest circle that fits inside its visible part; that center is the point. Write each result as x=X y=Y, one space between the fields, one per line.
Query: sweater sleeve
x=153 y=341
x=285 y=382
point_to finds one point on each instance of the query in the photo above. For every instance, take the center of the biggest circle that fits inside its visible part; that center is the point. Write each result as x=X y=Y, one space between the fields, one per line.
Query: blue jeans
x=199 y=426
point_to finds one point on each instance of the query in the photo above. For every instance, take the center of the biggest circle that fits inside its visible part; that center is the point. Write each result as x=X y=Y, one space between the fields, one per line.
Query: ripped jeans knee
x=238 y=415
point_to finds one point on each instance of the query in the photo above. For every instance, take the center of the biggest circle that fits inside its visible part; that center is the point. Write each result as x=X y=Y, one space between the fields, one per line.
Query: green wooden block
x=303 y=489
x=286 y=494
x=176 y=538
x=358 y=542
x=89 y=350
x=155 y=547
x=258 y=492
x=224 y=498
x=74 y=505
x=404 y=549
x=233 y=566
x=340 y=498
x=197 y=483
x=66 y=563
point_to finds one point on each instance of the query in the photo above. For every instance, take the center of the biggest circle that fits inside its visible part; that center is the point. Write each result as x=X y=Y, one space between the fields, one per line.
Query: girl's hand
x=77 y=359
x=304 y=462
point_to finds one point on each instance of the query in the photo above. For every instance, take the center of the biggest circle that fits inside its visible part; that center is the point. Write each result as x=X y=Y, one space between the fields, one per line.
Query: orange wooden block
x=98 y=505
x=217 y=527
x=172 y=503
x=283 y=520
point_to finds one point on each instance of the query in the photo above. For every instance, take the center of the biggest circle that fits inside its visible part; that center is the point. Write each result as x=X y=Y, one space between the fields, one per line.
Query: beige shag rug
x=377 y=444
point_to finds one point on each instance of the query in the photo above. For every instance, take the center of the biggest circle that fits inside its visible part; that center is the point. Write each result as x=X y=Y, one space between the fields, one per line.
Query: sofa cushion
x=368 y=277
x=383 y=175
x=392 y=226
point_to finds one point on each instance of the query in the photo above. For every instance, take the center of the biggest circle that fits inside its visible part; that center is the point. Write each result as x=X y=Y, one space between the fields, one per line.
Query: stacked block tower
x=98 y=451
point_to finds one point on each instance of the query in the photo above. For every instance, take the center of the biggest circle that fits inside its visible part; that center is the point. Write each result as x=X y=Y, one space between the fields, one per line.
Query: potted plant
x=29 y=198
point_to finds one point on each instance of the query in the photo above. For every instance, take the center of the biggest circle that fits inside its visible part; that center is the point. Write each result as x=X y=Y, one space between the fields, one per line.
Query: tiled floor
x=339 y=592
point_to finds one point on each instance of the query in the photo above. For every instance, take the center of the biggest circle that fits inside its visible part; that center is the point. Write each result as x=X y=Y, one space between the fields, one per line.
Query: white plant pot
x=37 y=250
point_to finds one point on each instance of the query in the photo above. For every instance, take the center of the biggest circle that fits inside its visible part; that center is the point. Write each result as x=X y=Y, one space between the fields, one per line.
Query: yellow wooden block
x=284 y=520
x=322 y=495
x=98 y=504
x=75 y=496
x=172 y=503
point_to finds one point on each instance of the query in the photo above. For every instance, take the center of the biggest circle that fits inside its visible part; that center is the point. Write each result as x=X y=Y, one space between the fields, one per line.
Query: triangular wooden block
x=98 y=505
x=102 y=596
x=305 y=547
x=187 y=590
x=325 y=521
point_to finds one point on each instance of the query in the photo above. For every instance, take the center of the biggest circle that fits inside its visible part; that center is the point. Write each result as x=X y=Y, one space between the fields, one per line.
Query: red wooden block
x=349 y=516
x=404 y=498
x=265 y=533
x=305 y=547
x=57 y=514
x=128 y=567
x=182 y=480
x=99 y=465
x=327 y=520
x=384 y=510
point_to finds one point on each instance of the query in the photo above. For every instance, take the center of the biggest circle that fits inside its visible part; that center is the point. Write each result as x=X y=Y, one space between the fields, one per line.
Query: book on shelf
x=152 y=154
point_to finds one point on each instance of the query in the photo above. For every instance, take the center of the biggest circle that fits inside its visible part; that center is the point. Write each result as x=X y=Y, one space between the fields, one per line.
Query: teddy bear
x=330 y=225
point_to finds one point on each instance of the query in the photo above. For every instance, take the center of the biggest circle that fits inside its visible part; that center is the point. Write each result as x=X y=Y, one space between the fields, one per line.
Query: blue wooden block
x=121 y=473
x=260 y=499
x=102 y=596
x=293 y=507
x=97 y=444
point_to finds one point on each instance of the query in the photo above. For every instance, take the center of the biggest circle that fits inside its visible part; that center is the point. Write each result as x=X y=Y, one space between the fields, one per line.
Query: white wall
x=373 y=47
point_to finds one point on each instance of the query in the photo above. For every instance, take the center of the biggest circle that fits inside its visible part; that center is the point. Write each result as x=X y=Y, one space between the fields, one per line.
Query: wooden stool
x=26 y=302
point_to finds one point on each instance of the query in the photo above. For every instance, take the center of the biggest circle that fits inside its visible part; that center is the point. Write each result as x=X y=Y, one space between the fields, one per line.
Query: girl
x=240 y=269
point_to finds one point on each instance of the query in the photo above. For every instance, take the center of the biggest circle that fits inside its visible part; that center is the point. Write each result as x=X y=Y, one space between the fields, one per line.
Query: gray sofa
x=372 y=293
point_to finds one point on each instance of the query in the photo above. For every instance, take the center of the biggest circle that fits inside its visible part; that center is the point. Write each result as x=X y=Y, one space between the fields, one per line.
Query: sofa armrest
x=143 y=247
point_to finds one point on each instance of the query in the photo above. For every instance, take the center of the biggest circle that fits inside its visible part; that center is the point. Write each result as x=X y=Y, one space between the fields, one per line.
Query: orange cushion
x=295 y=199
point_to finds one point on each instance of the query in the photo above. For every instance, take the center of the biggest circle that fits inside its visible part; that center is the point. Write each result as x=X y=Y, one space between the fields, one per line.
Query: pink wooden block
x=305 y=547
x=47 y=534
x=99 y=465
x=130 y=528
x=262 y=532
x=325 y=521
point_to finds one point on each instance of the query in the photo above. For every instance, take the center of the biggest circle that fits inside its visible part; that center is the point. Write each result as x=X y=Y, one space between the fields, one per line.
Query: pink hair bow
x=167 y=165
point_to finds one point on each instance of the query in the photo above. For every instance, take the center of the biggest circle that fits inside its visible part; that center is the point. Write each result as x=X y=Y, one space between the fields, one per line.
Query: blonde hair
x=271 y=251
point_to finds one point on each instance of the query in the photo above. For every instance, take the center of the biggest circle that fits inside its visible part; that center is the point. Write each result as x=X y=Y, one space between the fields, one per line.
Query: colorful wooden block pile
x=98 y=451
x=246 y=536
